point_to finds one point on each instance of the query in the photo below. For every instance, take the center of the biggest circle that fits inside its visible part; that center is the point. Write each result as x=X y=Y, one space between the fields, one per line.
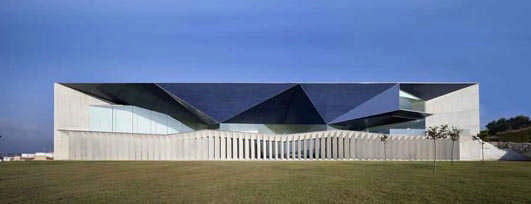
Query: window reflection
x=408 y=101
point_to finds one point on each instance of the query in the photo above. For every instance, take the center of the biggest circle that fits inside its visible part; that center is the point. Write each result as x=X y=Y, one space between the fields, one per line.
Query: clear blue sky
x=42 y=42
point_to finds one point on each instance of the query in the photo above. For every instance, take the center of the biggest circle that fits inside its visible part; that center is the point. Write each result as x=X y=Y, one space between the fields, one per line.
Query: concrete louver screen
x=222 y=145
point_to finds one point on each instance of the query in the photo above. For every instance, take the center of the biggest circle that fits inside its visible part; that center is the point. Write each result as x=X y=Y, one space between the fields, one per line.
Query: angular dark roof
x=222 y=101
x=427 y=91
x=333 y=100
x=391 y=117
x=145 y=95
x=289 y=107
x=386 y=101
x=273 y=103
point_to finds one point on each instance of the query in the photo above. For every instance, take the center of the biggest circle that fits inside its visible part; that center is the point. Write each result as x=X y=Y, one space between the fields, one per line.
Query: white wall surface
x=224 y=145
x=71 y=111
x=471 y=150
x=459 y=108
x=74 y=110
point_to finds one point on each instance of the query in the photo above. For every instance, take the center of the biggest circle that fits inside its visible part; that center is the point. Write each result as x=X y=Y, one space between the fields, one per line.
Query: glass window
x=132 y=119
x=410 y=102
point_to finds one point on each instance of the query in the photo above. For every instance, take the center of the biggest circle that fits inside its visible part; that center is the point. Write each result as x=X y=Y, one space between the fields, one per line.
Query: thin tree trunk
x=452 y=153
x=482 y=152
x=434 y=156
x=385 y=153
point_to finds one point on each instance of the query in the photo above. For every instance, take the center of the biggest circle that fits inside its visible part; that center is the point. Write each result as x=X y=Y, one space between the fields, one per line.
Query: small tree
x=384 y=139
x=454 y=134
x=436 y=133
x=481 y=138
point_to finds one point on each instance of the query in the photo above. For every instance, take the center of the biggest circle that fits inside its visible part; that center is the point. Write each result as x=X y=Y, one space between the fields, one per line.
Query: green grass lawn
x=265 y=182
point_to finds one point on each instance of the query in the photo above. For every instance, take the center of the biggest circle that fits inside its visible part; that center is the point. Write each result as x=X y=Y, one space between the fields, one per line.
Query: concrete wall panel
x=459 y=108
x=220 y=145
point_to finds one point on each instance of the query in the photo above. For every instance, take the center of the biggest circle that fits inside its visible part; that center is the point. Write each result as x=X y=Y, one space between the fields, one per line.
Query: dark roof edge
x=294 y=83
x=203 y=116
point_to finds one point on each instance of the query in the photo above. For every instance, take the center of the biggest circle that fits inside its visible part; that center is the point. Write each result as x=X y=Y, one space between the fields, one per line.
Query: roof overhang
x=145 y=95
x=393 y=117
x=427 y=91
x=353 y=104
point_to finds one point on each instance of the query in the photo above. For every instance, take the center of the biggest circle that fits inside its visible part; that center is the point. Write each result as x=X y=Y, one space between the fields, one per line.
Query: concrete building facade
x=211 y=121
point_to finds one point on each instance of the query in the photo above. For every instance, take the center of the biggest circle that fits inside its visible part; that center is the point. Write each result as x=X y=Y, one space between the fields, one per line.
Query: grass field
x=265 y=182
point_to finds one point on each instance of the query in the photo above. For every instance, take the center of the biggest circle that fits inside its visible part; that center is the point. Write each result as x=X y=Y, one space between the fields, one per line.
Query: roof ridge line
x=313 y=104
x=188 y=106
x=258 y=103
x=366 y=101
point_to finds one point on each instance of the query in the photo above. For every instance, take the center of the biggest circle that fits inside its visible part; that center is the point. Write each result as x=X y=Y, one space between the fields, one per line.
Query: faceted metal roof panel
x=276 y=103
x=385 y=101
x=222 y=101
x=333 y=100
x=392 y=117
x=290 y=107
x=145 y=95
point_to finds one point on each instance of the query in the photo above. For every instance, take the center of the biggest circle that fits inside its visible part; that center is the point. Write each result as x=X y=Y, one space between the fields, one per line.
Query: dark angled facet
x=222 y=101
x=208 y=104
x=145 y=95
x=191 y=108
x=386 y=101
x=427 y=91
x=290 y=107
x=393 y=117
x=333 y=100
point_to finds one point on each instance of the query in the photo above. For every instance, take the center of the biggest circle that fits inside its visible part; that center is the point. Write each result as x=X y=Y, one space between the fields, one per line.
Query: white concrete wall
x=472 y=152
x=74 y=110
x=459 y=108
x=71 y=111
x=223 y=145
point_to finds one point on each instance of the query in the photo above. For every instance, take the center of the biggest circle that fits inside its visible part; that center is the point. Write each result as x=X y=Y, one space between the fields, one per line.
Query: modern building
x=173 y=121
x=38 y=156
